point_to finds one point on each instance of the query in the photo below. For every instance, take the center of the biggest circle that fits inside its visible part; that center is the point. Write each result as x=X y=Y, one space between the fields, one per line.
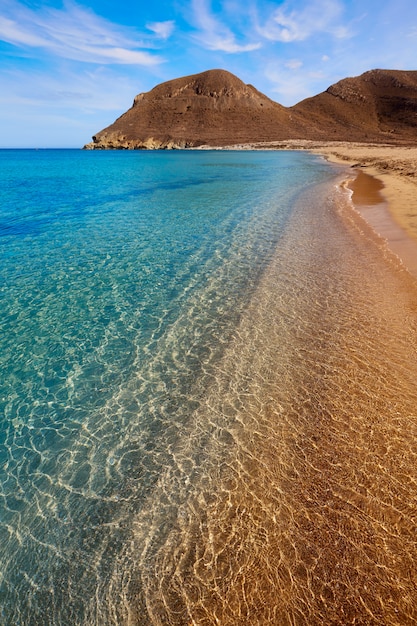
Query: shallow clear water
x=208 y=395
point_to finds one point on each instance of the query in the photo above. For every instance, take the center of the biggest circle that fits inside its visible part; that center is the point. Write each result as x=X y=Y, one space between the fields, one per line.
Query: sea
x=208 y=397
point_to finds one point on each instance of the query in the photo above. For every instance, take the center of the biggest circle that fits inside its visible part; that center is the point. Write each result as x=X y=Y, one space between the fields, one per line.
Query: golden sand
x=383 y=173
x=395 y=166
x=293 y=500
x=290 y=496
x=395 y=193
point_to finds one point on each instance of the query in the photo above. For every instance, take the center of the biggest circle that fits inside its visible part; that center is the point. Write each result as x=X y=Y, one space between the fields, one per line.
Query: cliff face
x=216 y=108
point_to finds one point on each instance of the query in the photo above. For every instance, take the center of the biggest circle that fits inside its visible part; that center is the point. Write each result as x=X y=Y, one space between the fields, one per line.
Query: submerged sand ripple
x=294 y=499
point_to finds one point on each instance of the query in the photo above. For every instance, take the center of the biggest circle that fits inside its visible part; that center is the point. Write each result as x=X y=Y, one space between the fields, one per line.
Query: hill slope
x=216 y=108
x=379 y=105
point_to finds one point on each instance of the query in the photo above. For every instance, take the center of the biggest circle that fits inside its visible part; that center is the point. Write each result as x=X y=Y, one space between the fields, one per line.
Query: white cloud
x=294 y=64
x=73 y=33
x=213 y=34
x=318 y=75
x=81 y=91
x=288 y=86
x=40 y=108
x=12 y=32
x=162 y=29
x=288 y=24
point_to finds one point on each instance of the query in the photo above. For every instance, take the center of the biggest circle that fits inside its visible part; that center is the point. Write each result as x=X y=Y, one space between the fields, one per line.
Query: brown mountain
x=380 y=105
x=216 y=108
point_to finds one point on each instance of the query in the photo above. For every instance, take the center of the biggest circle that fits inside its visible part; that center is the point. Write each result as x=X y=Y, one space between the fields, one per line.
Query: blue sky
x=68 y=69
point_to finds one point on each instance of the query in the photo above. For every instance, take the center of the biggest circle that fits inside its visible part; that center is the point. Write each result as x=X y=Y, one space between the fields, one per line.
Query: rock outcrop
x=216 y=108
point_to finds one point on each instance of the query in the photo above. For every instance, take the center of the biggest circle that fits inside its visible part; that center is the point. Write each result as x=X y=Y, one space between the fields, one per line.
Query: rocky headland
x=217 y=109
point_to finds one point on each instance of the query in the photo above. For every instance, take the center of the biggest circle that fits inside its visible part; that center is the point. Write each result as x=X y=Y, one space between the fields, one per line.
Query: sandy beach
x=395 y=166
x=383 y=184
x=383 y=173
x=211 y=408
x=308 y=487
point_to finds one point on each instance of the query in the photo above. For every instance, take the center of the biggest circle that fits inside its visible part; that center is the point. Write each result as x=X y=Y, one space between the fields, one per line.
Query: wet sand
x=395 y=167
x=288 y=495
x=294 y=502
x=384 y=186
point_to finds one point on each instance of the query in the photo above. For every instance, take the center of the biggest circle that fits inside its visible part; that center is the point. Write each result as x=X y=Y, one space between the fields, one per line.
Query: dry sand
x=381 y=173
x=383 y=182
x=395 y=166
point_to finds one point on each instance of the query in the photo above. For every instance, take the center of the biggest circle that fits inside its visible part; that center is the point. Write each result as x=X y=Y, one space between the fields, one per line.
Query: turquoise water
x=123 y=278
x=208 y=395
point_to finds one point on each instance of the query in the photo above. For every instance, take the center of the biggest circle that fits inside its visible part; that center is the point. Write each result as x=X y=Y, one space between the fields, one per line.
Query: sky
x=69 y=68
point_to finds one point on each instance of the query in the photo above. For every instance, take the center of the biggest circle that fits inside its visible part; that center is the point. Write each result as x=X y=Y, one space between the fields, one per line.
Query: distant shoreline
x=395 y=166
x=396 y=169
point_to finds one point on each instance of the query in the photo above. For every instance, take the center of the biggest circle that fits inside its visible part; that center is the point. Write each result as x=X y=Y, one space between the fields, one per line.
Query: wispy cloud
x=213 y=33
x=162 y=29
x=86 y=91
x=294 y=64
x=289 y=23
x=74 y=33
x=288 y=87
x=62 y=110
